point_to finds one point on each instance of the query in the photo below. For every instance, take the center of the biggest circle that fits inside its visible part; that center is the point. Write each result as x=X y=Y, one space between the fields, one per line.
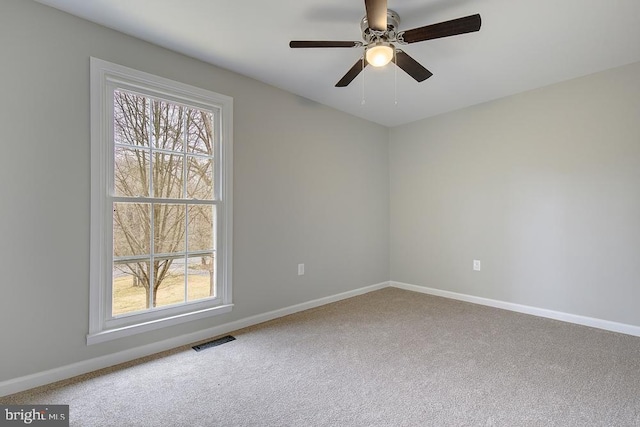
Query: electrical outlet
x=300 y=269
x=476 y=265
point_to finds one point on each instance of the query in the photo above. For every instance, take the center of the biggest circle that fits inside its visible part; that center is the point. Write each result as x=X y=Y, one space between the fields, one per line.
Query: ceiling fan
x=380 y=34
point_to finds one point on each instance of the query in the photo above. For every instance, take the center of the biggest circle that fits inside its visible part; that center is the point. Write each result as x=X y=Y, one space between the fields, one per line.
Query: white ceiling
x=522 y=45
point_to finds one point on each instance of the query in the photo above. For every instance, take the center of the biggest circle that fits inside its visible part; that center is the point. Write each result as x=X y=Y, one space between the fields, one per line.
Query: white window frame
x=105 y=78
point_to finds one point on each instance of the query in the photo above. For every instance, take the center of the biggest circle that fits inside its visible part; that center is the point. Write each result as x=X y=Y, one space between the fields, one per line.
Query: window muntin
x=154 y=243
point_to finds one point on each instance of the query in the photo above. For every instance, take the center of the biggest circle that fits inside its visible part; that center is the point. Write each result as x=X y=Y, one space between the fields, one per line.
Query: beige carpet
x=387 y=358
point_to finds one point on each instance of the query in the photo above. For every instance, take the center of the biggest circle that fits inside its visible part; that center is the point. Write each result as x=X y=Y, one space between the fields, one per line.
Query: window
x=161 y=160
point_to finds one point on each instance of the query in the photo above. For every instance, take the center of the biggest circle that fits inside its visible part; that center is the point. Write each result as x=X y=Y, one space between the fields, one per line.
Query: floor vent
x=213 y=343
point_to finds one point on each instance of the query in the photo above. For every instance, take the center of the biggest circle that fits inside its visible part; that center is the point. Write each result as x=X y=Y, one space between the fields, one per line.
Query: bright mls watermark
x=34 y=415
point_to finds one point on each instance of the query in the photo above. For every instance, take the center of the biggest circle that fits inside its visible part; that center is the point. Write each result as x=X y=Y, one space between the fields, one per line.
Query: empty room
x=320 y=213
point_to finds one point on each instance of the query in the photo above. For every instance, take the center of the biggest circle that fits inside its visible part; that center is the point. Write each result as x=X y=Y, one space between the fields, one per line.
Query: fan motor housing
x=369 y=35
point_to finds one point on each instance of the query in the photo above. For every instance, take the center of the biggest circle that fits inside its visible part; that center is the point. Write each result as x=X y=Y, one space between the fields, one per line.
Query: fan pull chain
x=395 y=77
x=363 y=73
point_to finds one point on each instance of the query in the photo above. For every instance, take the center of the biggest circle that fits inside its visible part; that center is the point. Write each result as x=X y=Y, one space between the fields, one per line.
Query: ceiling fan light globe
x=379 y=54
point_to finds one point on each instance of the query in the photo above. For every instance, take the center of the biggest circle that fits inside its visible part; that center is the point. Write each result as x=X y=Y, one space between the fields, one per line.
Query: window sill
x=125 y=331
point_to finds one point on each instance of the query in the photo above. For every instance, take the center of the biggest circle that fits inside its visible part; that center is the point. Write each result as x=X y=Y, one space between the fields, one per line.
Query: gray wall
x=542 y=187
x=311 y=186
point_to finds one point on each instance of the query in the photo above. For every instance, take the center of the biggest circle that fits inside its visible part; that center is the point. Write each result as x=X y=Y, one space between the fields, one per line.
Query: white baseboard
x=26 y=382
x=19 y=384
x=541 y=312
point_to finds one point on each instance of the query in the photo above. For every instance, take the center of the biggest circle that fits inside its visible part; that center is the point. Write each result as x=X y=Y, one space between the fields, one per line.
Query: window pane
x=169 y=228
x=169 y=281
x=167 y=175
x=199 y=178
x=130 y=287
x=201 y=226
x=130 y=119
x=131 y=178
x=167 y=125
x=202 y=277
x=200 y=132
x=131 y=228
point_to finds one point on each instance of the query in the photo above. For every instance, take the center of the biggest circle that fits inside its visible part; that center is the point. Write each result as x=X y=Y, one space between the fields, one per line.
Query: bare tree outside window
x=163 y=239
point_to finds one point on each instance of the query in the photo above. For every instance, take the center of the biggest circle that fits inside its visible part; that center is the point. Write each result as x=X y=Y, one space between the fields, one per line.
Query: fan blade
x=328 y=43
x=454 y=27
x=352 y=73
x=376 y=14
x=411 y=66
